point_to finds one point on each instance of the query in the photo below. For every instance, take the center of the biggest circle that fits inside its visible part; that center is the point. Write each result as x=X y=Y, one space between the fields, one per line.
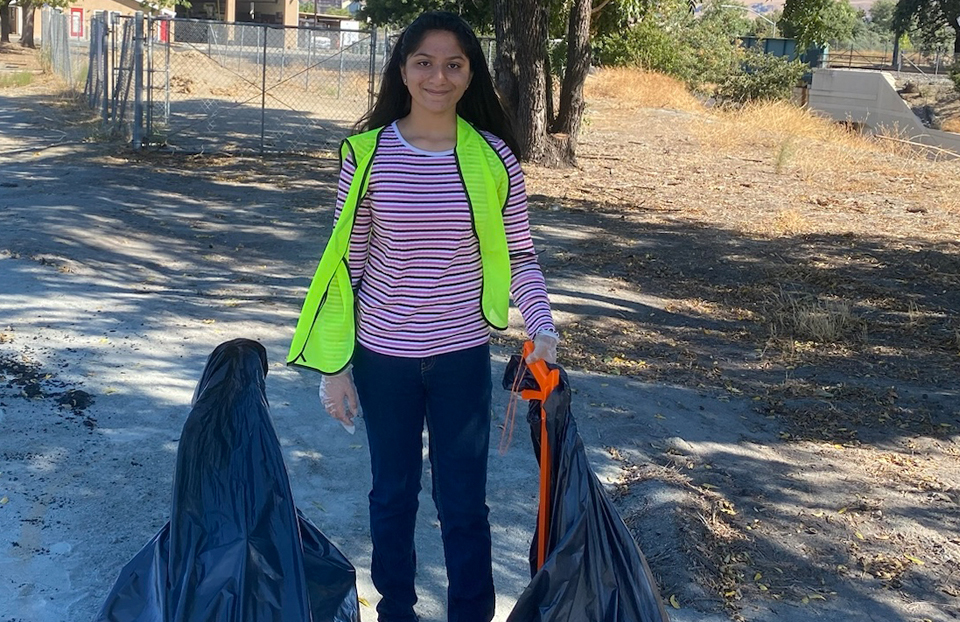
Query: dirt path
x=765 y=476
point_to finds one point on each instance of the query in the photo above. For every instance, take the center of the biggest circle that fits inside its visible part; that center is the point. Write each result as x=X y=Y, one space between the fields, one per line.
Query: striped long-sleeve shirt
x=415 y=261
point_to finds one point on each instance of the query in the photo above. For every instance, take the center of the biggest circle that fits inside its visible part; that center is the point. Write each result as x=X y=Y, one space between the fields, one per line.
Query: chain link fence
x=216 y=87
x=58 y=52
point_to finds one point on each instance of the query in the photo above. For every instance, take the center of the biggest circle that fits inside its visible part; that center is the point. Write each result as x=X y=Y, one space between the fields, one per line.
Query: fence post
x=340 y=74
x=306 y=74
x=137 y=80
x=149 y=98
x=104 y=34
x=263 y=92
x=166 y=74
x=372 y=78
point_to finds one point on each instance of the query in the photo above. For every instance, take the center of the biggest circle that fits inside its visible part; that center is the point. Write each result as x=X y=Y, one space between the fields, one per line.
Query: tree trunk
x=4 y=22
x=578 y=66
x=26 y=37
x=505 y=63
x=522 y=32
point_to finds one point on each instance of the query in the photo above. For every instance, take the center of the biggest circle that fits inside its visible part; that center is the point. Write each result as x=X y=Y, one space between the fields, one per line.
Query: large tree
x=479 y=13
x=29 y=8
x=523 y=64
x=930 y=16
x=4 y=21
x=815 y=22
x=523 y=74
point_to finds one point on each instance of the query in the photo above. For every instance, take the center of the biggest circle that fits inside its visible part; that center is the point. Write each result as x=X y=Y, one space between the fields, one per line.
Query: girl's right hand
x=338 y=394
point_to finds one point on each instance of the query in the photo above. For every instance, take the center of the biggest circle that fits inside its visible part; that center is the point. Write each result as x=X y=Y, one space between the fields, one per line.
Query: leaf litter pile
x=23 y=377
x=764 y=254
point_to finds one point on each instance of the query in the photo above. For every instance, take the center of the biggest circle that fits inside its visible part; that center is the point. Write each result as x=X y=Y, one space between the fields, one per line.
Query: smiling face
x=437 y=74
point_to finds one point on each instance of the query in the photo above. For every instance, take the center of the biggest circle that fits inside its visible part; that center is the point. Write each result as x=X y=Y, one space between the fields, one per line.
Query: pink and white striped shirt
x=415 y=261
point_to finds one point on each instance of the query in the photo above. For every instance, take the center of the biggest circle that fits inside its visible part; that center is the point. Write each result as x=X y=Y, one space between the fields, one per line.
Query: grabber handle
x=547 y=378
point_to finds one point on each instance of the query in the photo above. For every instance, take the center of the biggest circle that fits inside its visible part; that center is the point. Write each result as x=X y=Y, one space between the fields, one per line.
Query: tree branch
x=597 y=9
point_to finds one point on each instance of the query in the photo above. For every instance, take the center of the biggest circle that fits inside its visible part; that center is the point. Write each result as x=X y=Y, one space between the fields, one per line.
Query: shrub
x=645 y=45
x=954 y=74
x=761 y=77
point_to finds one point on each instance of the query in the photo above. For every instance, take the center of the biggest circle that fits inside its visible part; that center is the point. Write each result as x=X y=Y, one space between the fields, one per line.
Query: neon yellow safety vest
x=326 y=331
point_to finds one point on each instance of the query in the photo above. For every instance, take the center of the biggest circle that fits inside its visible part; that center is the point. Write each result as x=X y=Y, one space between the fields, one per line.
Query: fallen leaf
x=4 y=500
x=674 y=601
x=918 y=562
x=364 y=601
x=859 y=535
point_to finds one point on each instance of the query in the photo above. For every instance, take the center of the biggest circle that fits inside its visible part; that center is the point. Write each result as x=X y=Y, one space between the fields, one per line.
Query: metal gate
x=217 y=87
x=228 y=87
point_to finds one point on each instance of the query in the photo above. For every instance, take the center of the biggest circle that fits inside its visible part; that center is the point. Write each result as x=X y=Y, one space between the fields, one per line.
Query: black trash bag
x=235 y=549
x=593 y=570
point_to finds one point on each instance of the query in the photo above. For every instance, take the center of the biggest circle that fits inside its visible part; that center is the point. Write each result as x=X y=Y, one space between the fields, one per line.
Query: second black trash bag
x=236 y=549
x=592 y=570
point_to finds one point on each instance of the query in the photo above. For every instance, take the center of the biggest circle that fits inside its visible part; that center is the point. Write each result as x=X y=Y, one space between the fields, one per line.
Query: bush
x=954 y=73
x=645 y=45
x=761 y=77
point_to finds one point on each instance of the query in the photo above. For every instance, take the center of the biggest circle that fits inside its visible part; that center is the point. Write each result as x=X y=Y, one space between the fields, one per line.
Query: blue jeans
x=451 y=392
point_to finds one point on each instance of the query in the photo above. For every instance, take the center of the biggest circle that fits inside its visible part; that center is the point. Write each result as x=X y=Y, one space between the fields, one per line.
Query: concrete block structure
x=870 y=99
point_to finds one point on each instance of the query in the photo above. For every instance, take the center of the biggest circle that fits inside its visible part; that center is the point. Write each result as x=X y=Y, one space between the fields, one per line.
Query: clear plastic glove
x=338 y=395
x=544 y=348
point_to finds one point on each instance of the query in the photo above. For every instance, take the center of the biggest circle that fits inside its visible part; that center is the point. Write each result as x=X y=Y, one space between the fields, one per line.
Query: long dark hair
x=479 y=105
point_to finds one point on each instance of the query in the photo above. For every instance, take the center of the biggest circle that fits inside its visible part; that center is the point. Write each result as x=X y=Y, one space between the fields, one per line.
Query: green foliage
x=761 y=77
x=307 y=6
x=478 y=14
x=726 y=18
x=954 y=74
x=881 y=15
x=815 y=22
x=19 y=78
x=931 y=23
x=709 y=43
x=147 y=6
x=645 y=45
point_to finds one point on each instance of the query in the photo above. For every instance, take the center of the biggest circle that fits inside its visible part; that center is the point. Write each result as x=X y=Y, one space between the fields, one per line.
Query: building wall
x=81 y=12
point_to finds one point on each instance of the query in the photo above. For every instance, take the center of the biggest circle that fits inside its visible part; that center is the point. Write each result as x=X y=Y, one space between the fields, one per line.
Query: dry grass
x=640 y=89
x=811 y=318
x=951 y=125
x=794 y=139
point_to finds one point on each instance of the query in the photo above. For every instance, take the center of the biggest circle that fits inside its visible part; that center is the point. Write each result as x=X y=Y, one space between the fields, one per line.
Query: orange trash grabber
x=548 y=379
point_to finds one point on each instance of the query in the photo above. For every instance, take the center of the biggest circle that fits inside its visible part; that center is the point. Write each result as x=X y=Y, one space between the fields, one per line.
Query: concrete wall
x=870 y=99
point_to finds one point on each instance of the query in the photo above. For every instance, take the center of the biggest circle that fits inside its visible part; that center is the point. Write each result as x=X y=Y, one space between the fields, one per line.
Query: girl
x=431 y=241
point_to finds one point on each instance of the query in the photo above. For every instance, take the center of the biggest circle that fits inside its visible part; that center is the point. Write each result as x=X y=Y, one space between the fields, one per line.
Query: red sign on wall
x=76 y=23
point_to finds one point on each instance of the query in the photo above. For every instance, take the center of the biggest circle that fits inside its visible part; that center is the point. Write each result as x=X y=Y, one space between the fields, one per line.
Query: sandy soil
x=766 y=474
